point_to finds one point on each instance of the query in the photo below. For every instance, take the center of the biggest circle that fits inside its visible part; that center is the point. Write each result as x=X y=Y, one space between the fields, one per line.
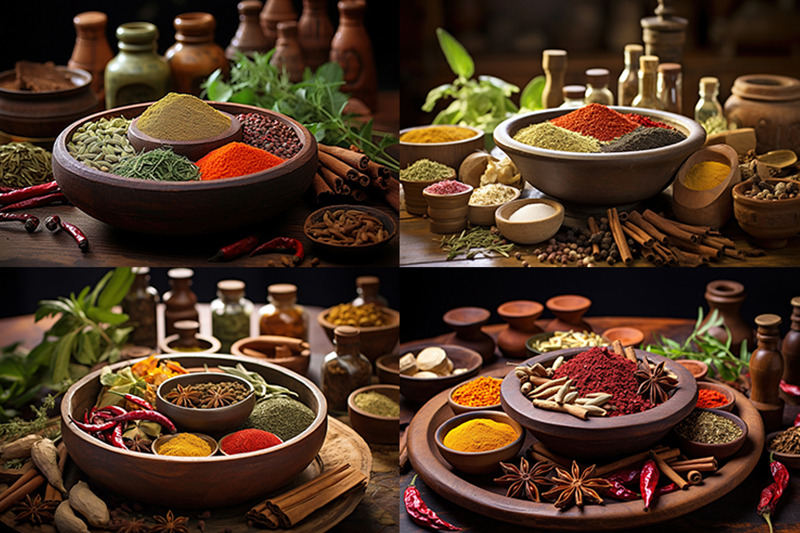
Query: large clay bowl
x=601 y=178
x=769 y=222
x=420 y=390
x=375 y=341
x=596 y=437
x=266 y=344
x=449 y=153
x=194 y=150
x=192 y=208
x=374 y=428
x=190 y=482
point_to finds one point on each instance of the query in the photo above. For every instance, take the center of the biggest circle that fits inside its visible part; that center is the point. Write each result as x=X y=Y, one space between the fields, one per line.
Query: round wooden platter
x=480 y=494
x=342 y=445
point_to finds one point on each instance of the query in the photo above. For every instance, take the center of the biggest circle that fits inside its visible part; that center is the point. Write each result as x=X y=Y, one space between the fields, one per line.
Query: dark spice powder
x=644 y=139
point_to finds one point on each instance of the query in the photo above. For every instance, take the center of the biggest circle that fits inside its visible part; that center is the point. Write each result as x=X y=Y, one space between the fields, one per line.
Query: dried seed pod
x=45 y=457
x=19 y=448
x=84 y=501
x=66 y=521
x=526 y=387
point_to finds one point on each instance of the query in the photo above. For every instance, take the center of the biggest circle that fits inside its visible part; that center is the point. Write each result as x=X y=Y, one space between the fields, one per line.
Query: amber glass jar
x=345 y=369
x=282 y=316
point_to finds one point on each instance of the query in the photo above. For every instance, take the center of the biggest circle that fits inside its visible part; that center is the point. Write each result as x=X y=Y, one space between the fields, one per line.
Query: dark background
x=43 y=31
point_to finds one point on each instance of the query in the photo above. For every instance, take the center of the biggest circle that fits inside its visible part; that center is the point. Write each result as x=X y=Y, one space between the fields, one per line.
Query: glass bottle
x=708 y=105
x=647 y=97
x=137 y=74
x=554 y=64
x=368 y=290
x=92 y=51
x=282 y=316
x=670 y=87
x=597 y=91
x=345 y=369
x=766 y=369
x=315 y=32
x=180 y=303
x=140 y=306
x=352 y=49
x=288 y=55
x=574 y=96
x=249 y=38
x=230 y=313
x=628 y=85
x=791 y=347
x=195 y=55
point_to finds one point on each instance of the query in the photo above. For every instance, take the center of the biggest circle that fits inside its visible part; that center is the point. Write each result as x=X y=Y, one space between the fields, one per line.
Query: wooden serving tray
x=480 y=494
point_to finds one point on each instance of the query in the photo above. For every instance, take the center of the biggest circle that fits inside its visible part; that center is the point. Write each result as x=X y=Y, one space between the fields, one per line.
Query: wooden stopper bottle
x=554 y=63
x=726 y=297
x=180 y=303
x=597 y=90
x=766 y=369
x=282 y=316
x=249 y=38
x=92 y=51
x=670 y=87
x=315 y=32
x=288 y=55
x=351 y=48
x=345 y=369
x=368 y=290
x=628 y=84
x=791 y=352
x=195 y=55
x=137 y=73
x=275 y=11
x=648 y=78
x=140 y=305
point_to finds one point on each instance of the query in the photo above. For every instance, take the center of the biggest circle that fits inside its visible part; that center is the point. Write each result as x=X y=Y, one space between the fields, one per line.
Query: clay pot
x=137 y=74
x=315 y=31
x=448 y=212
x=467 y=323
x=351 y=48
x=569 y=310
x=770 y=105
x=275 y=11
x=92 y=51
x=727 y=298
x=769 y=222
x=521 y=316
x=195 y=55
x=288 y=55
x=249 y=38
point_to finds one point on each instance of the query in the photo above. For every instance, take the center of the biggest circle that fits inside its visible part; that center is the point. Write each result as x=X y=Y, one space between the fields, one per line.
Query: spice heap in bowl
x=710 y=432
x=785 y=446
x=476 y=442
x=474 y=395
x=528 y=221
x=446 y=144
x=559 y=340
x=485 y=200
x=374 y=412
x=416 y=177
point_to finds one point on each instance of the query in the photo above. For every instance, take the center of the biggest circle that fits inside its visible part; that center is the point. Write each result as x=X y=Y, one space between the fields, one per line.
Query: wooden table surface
x=734 y=512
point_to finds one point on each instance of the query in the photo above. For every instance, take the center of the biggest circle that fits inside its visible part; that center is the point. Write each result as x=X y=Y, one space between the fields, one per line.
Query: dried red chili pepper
x=797 y=421
x=95 y=428
x=17 y=195
x=115 y=438
x=624 y=476
x=38 y=201
x=648 y=480
x=150 y=416
x=420 y=513
x=54 y=222
x=237 y=249
x=666 y=489
x=772 y=493
x=282 y=245
x=619 y=492
x=136 y=400
x=791 y=390
x=30 y=222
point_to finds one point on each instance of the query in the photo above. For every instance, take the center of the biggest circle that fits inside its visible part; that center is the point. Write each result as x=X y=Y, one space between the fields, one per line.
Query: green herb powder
x=551 y=137
x=281 y=416
x=161 y=164
x=377 y=404
x=426 y=170
x=708 y=428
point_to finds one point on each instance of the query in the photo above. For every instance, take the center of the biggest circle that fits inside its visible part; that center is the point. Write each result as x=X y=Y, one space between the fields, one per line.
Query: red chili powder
x=596 y=120
x=646 y=121
x=248 y=440
x=710 y=399
x=235 y=159
x=599 y=370
x=447 y=187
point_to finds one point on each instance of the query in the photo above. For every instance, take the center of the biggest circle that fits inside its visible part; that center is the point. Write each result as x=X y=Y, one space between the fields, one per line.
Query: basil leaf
x=457 y=57
x=245 y=96
x=104 y=316
x=61 y=358
x=531 y=97
x=116 y=288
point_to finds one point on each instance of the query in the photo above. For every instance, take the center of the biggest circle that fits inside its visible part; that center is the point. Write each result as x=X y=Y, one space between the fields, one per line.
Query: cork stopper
x=187 y=326
x=597 y=77
x=634 y=49
x=554 y=59
x=231 y=287
x=768 y=321
x=796 y=301
x=709 y=84
x=282 y=292
x=180 y=273
x=90 y=22
x=346 y=335
x=574 y=92
x=669 y=69
x=648 y=63
x=141 y=271
x=249 y=7
x=364 y=282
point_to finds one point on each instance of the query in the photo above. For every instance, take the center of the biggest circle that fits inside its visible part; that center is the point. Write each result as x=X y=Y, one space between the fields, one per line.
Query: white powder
x=531 y=213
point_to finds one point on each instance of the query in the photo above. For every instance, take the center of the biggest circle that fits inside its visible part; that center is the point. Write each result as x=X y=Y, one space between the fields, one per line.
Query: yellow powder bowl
x=450 y=153
x=479 y=462
x=711 y=207
x=163 y=439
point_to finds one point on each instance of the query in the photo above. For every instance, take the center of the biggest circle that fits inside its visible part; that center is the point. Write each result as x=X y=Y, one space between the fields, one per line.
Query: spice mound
x=208 y=395
x=706 y=175
x=492 y=194
x=479 y=435
x=481 y=392
x=532 y=213
x=161 y=164
x=182 y=117
x=787 y=441
x=22 y=165
x=102 y=144
x=186 y=445
x=269 y=134
x=710 y=399
x=248 y=440
x=284 y=417
x=551 y=137
x=426 y=170
x=235 y=159
x=596 y=120
x=708 y=428
x=644 y=139
x=37 y=78
x=447 y=187
x=377 y=404
x=364 y=316
x=437 y=134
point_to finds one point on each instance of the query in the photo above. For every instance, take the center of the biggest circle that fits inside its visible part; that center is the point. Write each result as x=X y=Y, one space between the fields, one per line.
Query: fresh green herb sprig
x=262 y=389
x=700 y=345
x=18 y=427
x=316 y=102
x=478 y=240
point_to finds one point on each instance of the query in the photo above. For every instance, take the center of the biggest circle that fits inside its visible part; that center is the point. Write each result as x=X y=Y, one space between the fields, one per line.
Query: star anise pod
x=576 y=486
x=523 y=480
x=138 y=443
x=35 y=511
x=132 y=525
x=218 y=398
x=170 y=524
x=183 y=396
x=655 y=383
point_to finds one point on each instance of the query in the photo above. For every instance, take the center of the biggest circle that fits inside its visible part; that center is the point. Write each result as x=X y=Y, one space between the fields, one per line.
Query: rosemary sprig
x=478 y=240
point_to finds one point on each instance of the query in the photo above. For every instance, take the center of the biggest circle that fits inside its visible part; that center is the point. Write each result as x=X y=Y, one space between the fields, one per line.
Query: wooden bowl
x=483 y=215
x=720 y=451
x=528 y=232
x=769 y=222
x=194 y=482
x=697 y=368
x=388 y=369
x=416 y=203
x=375 y=429
x=722 y=389
x=389 y=224
x=447 y=213
x=459 y=409
x=420 y=390
x=194 y=150
x=628 y=336
x=448 y=153
x=712 y=207
x=535 y=338
x=375 y=341
x=791 y=460
x=187 y=208
x=596 y=437
x=479 y=462
x=263 y=347
x=211 y=343
x=163 y=439
x=600 y=178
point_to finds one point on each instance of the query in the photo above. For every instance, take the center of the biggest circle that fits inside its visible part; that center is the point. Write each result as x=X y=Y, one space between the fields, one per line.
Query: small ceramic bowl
x=483 y=215
x=208 y=343
x=163 y=439
x=375 y=429
x=389 y=225
x=536 y=338
x=698 y=368
x=222 y=441
x=712 y=207
x=375 y=341
x=720 y=451
x=479 y=462
x=194 y=150
x=416 y=203
x=628 y=336
x=449 y=153
x=448 y=212
x=263 y=347
x=420 y=390
x=458 y=409
x=769 y=222
x=722 y=389
x=388 y=369
x=528 y=232
x=217 y=421
x=791 y=460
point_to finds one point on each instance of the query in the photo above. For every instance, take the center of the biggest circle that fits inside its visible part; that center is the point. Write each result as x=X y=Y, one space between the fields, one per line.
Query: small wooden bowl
x=722 y=389
x=528 y=232
x=216 y=421
x=388 y=369
x=628 y=336
x=769 y=222
x=532 y=352
x=163 y=439
x=375 y=429
x=416 y=203
x=698 y=369
x=389 y=224
x=420 y=390
x=458 y=409
x=222 y=439
x=212 y=344
x=791 y=460
x=374 y=341
x=448 y=153
x=194 y=150
x=720 y=451
x=712 y=207
x=479 y=462
x=263 y=347
x=483 y=215
x=447 y=212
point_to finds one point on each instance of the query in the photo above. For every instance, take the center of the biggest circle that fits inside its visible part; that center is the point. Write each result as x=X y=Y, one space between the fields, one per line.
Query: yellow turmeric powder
x=186 y=445
x=437 y=134
x=480 y=435
x=706 y=175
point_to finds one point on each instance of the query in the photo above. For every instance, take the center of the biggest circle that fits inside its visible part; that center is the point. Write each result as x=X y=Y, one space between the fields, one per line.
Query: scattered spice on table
x=185 y=445
x=34 y=510
x=269 y=134
x=480 y=392
x=596 y=120
x=479 y=435
x=706 y=175
x=169 y=523
x=787 y=441
x=576 y=486
x=644 y=139
x=492 y=194
x=284 y=417
x=437 y=134
x=772 y=493
x=708 y=428
x=377 y=404
x=365 y=316
x=182 y=117
x=710 y=399
x=426 y=170
x=248 y=440
x=235 y=159
x=161 y=164
x=523 y=480
x=23 y=164
x=478 y=240
x=419 y=513
x=551 y=137
x=447 y=187
x=102 y=144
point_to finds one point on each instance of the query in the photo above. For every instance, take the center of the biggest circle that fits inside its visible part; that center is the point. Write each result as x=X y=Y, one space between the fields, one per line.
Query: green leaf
x=98 y=288
x=435 y=94
x=457 y=56
x=63 y=352
x=216 y=89
x=245 y=96
x=531 y=97
x=104 y=316
x=116 y=288
x=506 y=88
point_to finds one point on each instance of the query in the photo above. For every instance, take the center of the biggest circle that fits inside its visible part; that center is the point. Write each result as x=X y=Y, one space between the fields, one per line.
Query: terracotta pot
x=769 y=222
x=791 y=352
x=92 y=51
x=195 y=55
x=137 y=74
x=275 y=11
x=249 y=38
x=521 y=316
x=416 y=203
x=569 y=310
x=448 y=212
x=315 y=31
x=351 y=48
x=770 y=105
x=727 y=298
x=467 y=323
x=288 y=55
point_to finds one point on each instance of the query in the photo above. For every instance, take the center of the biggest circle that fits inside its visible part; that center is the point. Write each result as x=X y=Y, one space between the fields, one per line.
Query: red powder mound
x=599 y=370
x=235 y=159
x=647 y=122
x=596 y=120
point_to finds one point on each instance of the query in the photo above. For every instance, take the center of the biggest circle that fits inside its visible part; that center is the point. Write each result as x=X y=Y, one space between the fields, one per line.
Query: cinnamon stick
x=377 y=182
x=698 y=461
x=376 y=170
x=698 y=467
x=665 y=253
x=644 y=240
x=718 y=242
x=21 y=480
x=630 y=353
x=15 y=496
x=392 y=193
x=333 y=181
x=338 y=167
x=619 y=236
x=647 y=227
x=694 y=477
x=617 y=347
x=697 y=248
x=345 y=190
x=688 y=259
x=322 y=192
x=629 y=461
x=700 y=230
x=668 y=471
x=667 y=226
x=736 y=254
x=354 y=159
x=594 y=229
x=359 y=195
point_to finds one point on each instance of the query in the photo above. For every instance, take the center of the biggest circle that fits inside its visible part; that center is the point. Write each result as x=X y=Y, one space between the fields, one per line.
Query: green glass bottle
x=137 y=73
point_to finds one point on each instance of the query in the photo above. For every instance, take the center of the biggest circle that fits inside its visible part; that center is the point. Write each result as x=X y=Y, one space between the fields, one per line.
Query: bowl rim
x=375 y=387
x=517 y=193
x=86 y=79
x=712 y=152
x=503 y=312
x=738 y=194
x=450 y=423
x=384 y=217
x=169 y=436
x=235 y=127
x=417 y=347
x=305 y=353
x=695 y=362
x=638 y=332
x=768 y=439
x=189 y=410
x=520 y=202
x=453 y=195
x=719 y=387
x=727 y=414
x=450 y=399
x=478 y=133
x=380 y=364
x=504 y=138
x=393 y=314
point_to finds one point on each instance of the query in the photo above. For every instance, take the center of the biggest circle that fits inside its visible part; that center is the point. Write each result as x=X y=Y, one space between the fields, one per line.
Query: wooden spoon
x=778 y=158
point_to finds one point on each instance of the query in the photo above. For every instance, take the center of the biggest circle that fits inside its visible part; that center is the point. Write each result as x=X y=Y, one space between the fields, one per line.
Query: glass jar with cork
x=345 y=369
x=282 y=316
x=230 y=313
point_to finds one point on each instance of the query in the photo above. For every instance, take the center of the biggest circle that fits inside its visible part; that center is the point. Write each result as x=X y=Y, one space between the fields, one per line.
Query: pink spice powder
x=446 y=187
x=600 y=370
